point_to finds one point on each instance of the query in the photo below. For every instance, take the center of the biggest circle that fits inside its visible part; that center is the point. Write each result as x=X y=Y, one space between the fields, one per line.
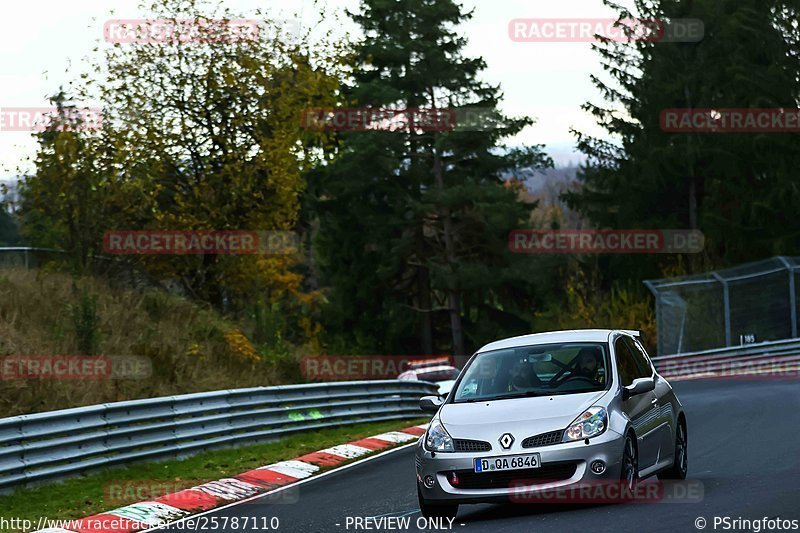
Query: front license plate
x=508 y=462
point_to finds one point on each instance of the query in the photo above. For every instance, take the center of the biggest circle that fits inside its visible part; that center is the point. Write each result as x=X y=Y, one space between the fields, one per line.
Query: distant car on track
x=437 y=370
x=550 y=411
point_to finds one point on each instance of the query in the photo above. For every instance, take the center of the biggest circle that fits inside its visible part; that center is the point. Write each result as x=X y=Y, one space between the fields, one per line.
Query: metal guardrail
x=757 y=357
x=120 y=271
x=28 y=257
x=71 y=441
x=774 y=347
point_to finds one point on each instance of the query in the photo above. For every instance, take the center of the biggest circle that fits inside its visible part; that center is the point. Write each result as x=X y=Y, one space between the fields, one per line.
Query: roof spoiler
x=632 y=332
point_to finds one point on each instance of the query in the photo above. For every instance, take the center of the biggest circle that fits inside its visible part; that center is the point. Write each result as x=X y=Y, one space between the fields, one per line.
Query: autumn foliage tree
x=201 y=131
x=208 y=136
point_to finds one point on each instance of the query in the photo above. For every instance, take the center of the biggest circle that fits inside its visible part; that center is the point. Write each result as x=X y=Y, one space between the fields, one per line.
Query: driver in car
x=586 y=364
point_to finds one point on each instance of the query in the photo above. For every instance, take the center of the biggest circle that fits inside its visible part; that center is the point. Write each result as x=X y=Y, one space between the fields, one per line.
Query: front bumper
x=606 y=447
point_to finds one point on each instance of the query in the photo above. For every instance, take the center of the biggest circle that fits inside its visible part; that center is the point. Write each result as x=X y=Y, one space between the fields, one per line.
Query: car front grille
x=547 y=473
x=464 y=445
x=545 y=439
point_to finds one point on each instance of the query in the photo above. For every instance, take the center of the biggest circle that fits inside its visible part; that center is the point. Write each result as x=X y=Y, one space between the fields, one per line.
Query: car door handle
x=654 y=401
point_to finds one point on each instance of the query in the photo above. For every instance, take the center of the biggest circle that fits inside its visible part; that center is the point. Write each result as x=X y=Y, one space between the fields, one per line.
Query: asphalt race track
x=744 y=448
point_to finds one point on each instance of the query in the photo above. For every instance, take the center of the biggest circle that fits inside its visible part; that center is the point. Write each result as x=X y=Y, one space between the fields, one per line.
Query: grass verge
x=191 y=347
x=85 y=496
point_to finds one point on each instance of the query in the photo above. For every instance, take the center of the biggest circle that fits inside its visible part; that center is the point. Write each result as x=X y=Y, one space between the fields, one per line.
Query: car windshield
x=539 y=370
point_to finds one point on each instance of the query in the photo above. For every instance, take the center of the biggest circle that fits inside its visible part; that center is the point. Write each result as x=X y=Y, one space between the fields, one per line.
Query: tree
x=738 y=188
x=64 y=204
x=209 y=138
x=9 y=233
x=414 y=223
x=200 y=131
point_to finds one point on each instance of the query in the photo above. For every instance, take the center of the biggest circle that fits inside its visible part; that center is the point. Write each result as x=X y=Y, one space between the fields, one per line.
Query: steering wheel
x=582 y=378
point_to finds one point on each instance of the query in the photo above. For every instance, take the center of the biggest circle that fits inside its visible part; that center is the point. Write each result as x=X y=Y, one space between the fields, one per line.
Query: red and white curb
x=263 y=480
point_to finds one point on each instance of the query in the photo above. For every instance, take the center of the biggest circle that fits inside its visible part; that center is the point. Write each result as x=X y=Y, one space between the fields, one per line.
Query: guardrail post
x=792 y=295
x=659 y=329
x=794 y=302
x=726 y=299
x=657 y=294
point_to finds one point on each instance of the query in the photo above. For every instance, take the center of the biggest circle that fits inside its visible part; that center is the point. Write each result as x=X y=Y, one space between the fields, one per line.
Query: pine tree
x=739 y=189
x=414 y=223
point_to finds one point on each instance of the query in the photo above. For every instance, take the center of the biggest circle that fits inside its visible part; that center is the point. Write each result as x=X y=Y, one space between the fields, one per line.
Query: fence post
x=792 y=295
x=726 y=298
x=657 y=294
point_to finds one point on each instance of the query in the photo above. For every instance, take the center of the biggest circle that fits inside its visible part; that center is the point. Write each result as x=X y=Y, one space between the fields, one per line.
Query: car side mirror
x=639 y=386
x=430 y=404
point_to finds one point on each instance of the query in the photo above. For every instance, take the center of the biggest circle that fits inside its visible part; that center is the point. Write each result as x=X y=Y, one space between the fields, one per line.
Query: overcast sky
x=42 y=43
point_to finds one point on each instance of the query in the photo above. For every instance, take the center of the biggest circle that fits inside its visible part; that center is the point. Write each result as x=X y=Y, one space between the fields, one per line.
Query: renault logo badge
x=506 y=440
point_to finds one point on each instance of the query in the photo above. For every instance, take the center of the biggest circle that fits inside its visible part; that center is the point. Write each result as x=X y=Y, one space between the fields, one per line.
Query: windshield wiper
x=528 y=394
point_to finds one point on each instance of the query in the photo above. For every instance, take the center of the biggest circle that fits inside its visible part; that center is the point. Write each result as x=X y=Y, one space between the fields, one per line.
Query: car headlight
x=437 y=439
x=591 y=423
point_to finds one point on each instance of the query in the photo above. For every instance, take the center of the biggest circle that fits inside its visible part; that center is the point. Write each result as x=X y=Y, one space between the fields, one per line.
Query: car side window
x=643 y=368
x=628 y=370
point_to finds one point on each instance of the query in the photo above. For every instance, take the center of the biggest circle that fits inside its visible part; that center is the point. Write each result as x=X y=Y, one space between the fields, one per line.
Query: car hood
x=522 y=417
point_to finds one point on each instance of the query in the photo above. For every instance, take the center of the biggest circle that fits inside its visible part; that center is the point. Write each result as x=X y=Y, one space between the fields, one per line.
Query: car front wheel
x=429 y=510
x=630 y=463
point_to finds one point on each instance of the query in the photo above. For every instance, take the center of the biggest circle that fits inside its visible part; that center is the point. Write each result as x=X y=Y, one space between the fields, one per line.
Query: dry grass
x=185 y=342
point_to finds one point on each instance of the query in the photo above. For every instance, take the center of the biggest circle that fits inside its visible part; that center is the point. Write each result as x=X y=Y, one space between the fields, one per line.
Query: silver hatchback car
x=540 y=413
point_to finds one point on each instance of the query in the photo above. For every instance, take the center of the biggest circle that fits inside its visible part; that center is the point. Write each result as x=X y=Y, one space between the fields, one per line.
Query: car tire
x=629 y=473
x=680 y=463
x=429 y=510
